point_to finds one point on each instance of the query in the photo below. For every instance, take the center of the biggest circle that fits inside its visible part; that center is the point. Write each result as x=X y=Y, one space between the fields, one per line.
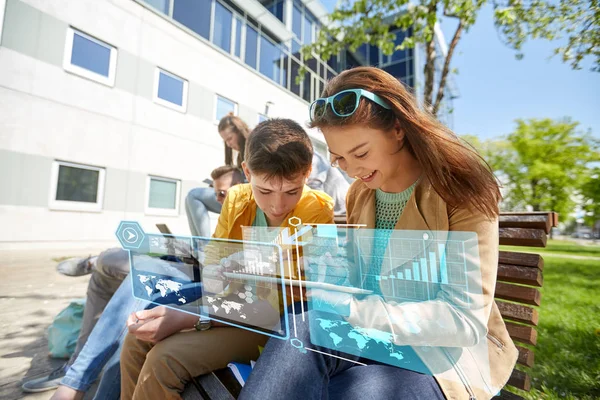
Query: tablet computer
x=296 y=282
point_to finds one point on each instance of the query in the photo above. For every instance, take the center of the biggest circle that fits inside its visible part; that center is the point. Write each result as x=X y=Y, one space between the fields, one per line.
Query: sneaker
x=47 y=382
x=76 y=266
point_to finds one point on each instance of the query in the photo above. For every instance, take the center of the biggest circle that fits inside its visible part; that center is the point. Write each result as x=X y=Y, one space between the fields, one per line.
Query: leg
x=133 y=357
x=109 y=270
x=104 y=340
x=112 y=266
x=198 y=203
x=177 y=359
x=310 y=370
x=383 y=382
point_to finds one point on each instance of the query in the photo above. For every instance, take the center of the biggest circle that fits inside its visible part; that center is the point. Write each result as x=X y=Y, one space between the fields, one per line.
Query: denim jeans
x=284 y=372
x=198 y=203
x=110 y=269
x=103 y=347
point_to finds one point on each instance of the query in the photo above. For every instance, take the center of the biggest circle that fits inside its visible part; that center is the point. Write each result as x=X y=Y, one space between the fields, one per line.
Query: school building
x=109 y=109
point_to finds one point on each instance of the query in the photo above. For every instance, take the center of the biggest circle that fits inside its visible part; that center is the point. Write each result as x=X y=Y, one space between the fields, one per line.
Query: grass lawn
x=567 y=356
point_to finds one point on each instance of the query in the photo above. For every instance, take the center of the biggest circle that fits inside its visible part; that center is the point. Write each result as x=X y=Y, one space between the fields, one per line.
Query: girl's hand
x=158 y=323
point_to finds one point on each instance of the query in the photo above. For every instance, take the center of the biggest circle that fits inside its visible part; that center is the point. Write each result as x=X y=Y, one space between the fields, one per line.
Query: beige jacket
x=474 y=355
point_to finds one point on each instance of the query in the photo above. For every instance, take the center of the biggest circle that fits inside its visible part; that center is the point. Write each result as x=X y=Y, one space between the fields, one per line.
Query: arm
x=454 y=318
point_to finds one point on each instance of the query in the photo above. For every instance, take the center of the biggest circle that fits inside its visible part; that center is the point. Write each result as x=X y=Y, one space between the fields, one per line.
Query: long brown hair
x=241 y=130
x=456 y=171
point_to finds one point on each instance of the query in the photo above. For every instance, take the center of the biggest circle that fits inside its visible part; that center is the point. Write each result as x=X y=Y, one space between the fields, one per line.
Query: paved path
x=31 y=294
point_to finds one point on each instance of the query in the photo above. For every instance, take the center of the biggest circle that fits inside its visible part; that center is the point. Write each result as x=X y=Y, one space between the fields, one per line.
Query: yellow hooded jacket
x=239 y=209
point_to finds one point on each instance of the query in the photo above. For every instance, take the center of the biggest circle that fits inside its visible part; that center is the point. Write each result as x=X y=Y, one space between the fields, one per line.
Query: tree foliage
x=357 y=22
x=543 y=164
x=590 y=191
x=576 y=23
x=354 y=23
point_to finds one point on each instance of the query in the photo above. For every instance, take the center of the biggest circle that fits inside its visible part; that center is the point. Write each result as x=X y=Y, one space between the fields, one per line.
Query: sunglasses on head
x=344 y=103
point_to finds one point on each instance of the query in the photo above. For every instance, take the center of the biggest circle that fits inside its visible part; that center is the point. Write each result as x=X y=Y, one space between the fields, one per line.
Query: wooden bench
x=517 y=296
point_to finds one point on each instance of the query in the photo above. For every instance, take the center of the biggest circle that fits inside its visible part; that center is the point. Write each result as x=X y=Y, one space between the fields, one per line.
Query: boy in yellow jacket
x=157 y=358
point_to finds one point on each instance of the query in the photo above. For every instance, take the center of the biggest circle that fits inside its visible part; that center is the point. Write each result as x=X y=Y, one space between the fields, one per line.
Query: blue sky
x=495 y=88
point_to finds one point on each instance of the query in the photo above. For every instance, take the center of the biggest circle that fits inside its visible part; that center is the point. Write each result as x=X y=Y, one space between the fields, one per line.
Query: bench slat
x=536 y=221
x=526 y=356
x=520 y=294
x=524 y=334
x=518 y=312
x=519 y=274
x=522 y=259
x=520 y=379
x=213 y=387
x=523 y=237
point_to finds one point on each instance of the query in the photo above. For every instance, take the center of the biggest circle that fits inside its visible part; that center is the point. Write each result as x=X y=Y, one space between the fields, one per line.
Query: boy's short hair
x=237 y=177
x=279 y=148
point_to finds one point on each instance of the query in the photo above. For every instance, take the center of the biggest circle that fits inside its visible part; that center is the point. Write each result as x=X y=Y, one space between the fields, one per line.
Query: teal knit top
x=388 y=209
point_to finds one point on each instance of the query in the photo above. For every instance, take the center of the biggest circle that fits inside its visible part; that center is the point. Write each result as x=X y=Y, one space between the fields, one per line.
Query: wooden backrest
x=517 y=288
x=518 y=282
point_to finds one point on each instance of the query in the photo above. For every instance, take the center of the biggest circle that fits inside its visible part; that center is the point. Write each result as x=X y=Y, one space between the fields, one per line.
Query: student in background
x=200 y=201
x=234 y=132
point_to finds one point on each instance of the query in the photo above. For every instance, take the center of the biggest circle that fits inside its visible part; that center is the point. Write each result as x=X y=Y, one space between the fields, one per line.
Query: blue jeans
x=198 y=203
x=103 y=347
x=283 y=371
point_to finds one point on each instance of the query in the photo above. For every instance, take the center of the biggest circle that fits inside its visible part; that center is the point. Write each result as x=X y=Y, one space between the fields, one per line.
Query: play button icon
x=130 y=235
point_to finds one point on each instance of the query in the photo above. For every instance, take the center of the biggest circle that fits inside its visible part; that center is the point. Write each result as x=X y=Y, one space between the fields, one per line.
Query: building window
x=275 y=7
x=222 y=27
x=270 y=59
x=239 y=26
x=76 y=187
x=297 y=21
x=308 y=30
x=89 y=57
x=251 y=46
x=170 y=90
x=160 y=5
x=162 y=196
x=193 y=14
x=224 y=107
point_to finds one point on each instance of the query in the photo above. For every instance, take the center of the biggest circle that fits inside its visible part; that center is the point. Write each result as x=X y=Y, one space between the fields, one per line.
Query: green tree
x=543 y=163
x=356 y=22
x=590 y=190
x=575 y=23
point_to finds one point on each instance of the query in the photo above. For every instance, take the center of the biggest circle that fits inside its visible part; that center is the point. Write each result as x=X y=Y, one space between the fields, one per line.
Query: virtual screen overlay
x=410 y=299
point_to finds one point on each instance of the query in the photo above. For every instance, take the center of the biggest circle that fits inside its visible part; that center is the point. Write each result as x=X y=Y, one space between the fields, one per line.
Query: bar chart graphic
x=412 y=267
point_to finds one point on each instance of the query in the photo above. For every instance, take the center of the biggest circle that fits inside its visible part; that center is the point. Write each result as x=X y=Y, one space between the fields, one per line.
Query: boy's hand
x=158 y=323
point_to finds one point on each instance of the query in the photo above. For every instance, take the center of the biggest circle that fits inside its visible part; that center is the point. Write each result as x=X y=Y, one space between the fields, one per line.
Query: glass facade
x=270 y=59
x=194 y=14
x=236 y=33
x=160 y=5
x=223 y=23
x=251 y=46
x=239 y=25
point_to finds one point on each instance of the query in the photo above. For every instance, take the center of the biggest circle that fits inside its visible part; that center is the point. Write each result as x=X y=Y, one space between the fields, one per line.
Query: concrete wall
x=48 y=114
